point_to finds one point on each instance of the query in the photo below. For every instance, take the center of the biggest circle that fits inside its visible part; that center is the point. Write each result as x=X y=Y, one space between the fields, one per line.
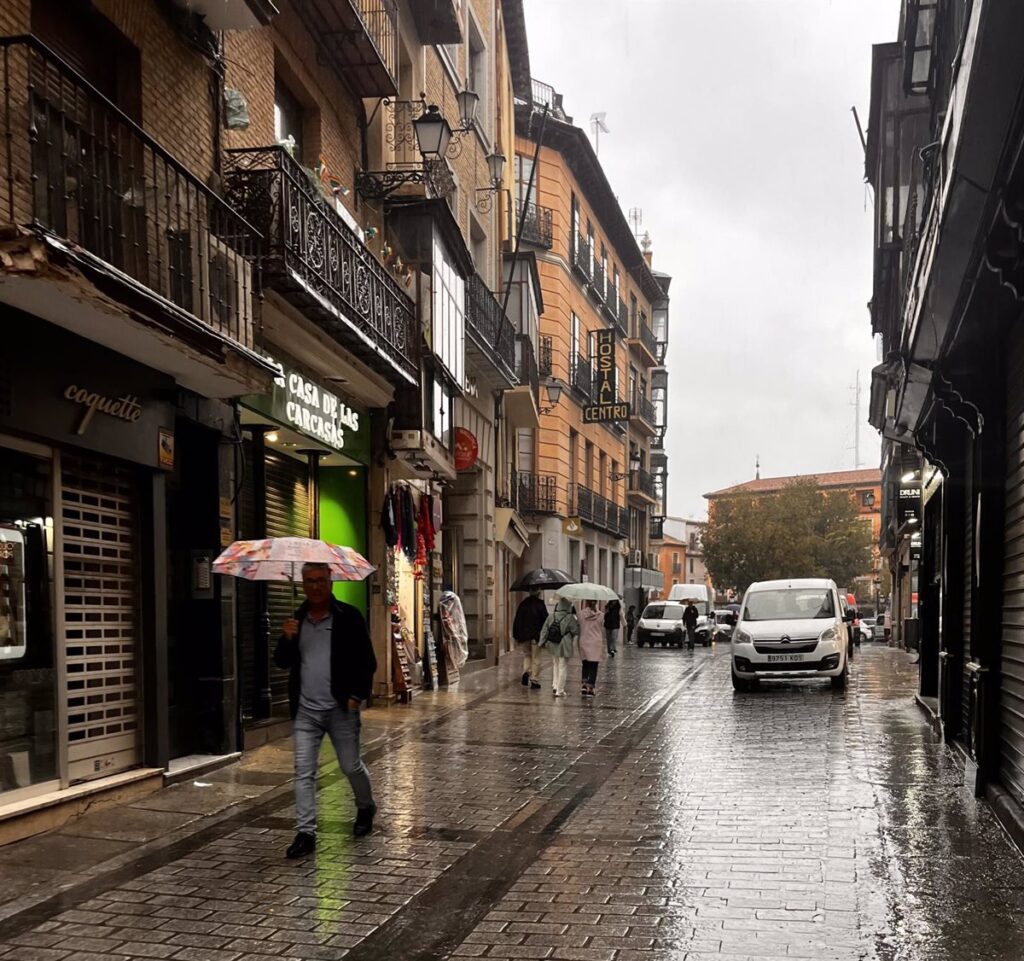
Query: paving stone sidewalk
x=668 y=819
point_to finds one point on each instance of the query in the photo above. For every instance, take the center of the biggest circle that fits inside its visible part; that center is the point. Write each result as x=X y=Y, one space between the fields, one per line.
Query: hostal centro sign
x=300 y=402
x=608 y=409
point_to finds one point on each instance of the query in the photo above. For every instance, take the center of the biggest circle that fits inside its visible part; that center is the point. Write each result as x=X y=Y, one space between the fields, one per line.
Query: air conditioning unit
x=210 y=280
x=636 y=558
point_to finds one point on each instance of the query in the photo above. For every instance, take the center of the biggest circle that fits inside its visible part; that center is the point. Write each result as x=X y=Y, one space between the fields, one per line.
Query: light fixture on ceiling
x=273 y=437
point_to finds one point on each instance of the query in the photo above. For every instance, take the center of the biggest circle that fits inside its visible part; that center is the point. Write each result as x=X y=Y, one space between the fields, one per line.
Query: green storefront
x=305 y=462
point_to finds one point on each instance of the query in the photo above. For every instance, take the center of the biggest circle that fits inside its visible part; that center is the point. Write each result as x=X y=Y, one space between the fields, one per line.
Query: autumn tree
x=799 y=531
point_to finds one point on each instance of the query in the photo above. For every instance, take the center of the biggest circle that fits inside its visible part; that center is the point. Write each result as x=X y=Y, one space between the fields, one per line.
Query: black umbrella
x=542 y=579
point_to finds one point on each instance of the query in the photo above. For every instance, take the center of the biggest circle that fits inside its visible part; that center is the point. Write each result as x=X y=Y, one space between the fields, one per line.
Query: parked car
x=866 y=628
x=661 y=623
x=792 y=629
x=724 y=622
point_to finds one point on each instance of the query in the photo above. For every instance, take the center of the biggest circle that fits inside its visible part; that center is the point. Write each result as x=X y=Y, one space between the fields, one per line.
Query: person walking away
x=690 y=616
x=560 y=632
x=531 y=614
x=327 y=650
x=591 y=645
x=612 y=623
x=630 y=623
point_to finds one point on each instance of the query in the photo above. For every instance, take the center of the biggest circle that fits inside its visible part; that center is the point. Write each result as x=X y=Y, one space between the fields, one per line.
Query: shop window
x=28 y=676
x=449 y=316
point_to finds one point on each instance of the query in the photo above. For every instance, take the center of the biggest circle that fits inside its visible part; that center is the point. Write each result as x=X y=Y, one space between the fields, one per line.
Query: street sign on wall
x=607 y=408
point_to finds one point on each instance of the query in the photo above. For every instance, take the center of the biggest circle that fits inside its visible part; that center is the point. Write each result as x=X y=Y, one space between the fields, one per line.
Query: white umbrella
x=587 y=592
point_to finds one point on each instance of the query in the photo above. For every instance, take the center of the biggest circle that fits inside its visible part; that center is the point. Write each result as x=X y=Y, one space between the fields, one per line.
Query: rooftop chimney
x=645 y=246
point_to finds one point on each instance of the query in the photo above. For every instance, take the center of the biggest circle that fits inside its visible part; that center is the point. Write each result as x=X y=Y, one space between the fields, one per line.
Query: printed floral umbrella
x=281 y=559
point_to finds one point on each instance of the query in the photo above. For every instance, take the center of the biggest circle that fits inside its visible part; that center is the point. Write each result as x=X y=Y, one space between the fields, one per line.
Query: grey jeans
x=308 y=730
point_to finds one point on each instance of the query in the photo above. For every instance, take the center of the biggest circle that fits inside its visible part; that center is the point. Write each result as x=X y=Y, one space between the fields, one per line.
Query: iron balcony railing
x=656 y=528
x=74 y=165
x=648 y=339
x=380 y=18
x=581 y=376
x=535 y=493
x=527 y=370
x=489 y=327
x=537 y=225
x=622 y=316
x=645 y=409
x=313 y=256
x=598 y=511
x=599 y=281
x=642 y=482
x=582 y=259
x=545 y=361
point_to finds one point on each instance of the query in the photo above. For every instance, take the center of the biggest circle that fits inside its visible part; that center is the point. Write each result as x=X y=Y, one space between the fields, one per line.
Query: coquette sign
x=126 y=407
x=301 y=402
x=608 y=408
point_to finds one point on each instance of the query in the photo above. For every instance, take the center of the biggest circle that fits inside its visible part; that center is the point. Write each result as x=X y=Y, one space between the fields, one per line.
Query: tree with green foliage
x=799 y=531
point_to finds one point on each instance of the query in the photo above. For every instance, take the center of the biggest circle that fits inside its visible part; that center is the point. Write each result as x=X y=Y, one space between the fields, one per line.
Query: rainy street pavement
x=669 y=818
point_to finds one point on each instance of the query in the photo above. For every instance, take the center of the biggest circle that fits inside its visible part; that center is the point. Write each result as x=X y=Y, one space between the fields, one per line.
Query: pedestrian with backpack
x=612 y=624
x=559 y=636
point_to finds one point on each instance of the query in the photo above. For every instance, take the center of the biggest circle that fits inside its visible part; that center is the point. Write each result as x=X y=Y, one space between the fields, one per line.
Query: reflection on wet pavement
x=670 y=818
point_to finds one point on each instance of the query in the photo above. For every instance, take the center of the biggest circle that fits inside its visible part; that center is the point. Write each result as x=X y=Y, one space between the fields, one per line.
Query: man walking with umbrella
x=327 y=649
x=530 y=617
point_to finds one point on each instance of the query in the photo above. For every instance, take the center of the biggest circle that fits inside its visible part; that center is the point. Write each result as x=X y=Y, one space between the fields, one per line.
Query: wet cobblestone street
x=668 y=819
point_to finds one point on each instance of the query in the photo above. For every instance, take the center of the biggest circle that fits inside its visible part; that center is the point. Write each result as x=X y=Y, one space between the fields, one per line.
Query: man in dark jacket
x=327 y=649
x=690 y=617
x=530 y=617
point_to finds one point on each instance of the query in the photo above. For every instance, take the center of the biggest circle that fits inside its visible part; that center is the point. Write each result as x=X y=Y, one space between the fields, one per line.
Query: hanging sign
x=302 y=403
x=607 y=409
x=467 y=450
x=908 y=504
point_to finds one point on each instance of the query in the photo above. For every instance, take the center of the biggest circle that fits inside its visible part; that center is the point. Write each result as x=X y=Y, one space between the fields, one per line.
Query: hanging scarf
x=387 y=520
x=425 y=520
x=408 y=524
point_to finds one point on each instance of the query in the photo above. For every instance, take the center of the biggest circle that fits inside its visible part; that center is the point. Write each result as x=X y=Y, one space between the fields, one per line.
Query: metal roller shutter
x=98 y=523
x=287 y=516
x=246 y=595
x=1011 y=693
x=968 y=584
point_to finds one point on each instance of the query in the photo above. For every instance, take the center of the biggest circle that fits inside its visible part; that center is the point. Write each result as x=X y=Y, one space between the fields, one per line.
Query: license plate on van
x=777 y=658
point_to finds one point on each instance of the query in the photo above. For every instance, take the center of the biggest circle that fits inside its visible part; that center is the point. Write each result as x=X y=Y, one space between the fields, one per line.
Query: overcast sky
x=731 y=128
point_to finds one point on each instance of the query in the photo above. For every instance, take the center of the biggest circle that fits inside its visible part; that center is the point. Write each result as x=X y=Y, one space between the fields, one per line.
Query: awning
x=510 y=530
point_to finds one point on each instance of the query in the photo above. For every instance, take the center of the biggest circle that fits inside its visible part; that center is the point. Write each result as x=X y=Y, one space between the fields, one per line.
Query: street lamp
x=634 y=466
x=433 y=133
x=469 y=102
x=554 y=390
x=485 y=195
x=496 y=167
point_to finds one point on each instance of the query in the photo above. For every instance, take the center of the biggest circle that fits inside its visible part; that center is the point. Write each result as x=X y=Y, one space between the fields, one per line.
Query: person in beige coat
x=591 y=644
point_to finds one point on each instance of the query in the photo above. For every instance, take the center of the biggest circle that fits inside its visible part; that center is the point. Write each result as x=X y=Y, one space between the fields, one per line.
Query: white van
x=702 y=599
x=789 y=629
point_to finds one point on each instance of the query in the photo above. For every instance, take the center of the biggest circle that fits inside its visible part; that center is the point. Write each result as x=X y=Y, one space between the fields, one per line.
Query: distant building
x=863 y=485
x=681 y=553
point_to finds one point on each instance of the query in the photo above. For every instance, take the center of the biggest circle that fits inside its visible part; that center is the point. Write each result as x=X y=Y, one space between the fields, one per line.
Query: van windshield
x=790 y=604
x=663 y=612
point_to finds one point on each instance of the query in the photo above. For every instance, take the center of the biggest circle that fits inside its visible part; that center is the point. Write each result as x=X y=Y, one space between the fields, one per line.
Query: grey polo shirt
x=315 y=650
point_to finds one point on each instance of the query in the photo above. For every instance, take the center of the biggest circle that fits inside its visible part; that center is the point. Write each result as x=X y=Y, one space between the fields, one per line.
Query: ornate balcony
x=642 y=487
x=359 y=39
x=597 y=511
x=316 y=261
x=544 y=363
x=581 y=376
x=582 y=259
x=599 y=281
x=656 y=528
x=130 y=216
x=642 y=413
x=535 y=493
x=491 y=345
x=642 y=340
x=537 y=224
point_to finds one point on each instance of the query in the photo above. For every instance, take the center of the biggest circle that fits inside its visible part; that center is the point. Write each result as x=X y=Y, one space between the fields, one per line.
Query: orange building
x=592 y=476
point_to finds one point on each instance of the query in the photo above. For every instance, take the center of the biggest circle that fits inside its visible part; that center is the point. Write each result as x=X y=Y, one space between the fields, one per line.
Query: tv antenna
x=856 y=422
x=636 y=220
x=599 y=126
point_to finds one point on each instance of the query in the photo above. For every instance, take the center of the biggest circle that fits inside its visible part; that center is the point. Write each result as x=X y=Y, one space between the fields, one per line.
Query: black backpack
x=554 y=633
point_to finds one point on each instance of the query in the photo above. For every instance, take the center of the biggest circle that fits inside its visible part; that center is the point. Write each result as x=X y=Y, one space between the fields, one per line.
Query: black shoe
x=364 y=821
x=535 y=685
x=526 y=679
x=302 y=845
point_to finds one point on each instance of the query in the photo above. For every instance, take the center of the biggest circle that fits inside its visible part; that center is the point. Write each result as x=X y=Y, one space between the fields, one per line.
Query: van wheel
x=744 y=684
x=639 y=643
x=839 y=683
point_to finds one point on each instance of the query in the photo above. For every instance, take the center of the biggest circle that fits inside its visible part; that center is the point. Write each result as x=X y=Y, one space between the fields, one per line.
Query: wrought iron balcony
x=599 y=281
x=581 y=376
x=535 y=493
x=537 y=224
x=358 y=38
x=643 y=409
x=656 y=528
x=76 y=166
x=545 y=361
x=622 y=316
x=527 y=369
x=597 y=511
x=319 y=264
x=642 y=482
x=582 y=258
x=644 y=338
x=491 y=331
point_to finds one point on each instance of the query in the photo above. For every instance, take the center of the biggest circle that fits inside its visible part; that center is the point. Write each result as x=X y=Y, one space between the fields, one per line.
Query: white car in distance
x=791 y=629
